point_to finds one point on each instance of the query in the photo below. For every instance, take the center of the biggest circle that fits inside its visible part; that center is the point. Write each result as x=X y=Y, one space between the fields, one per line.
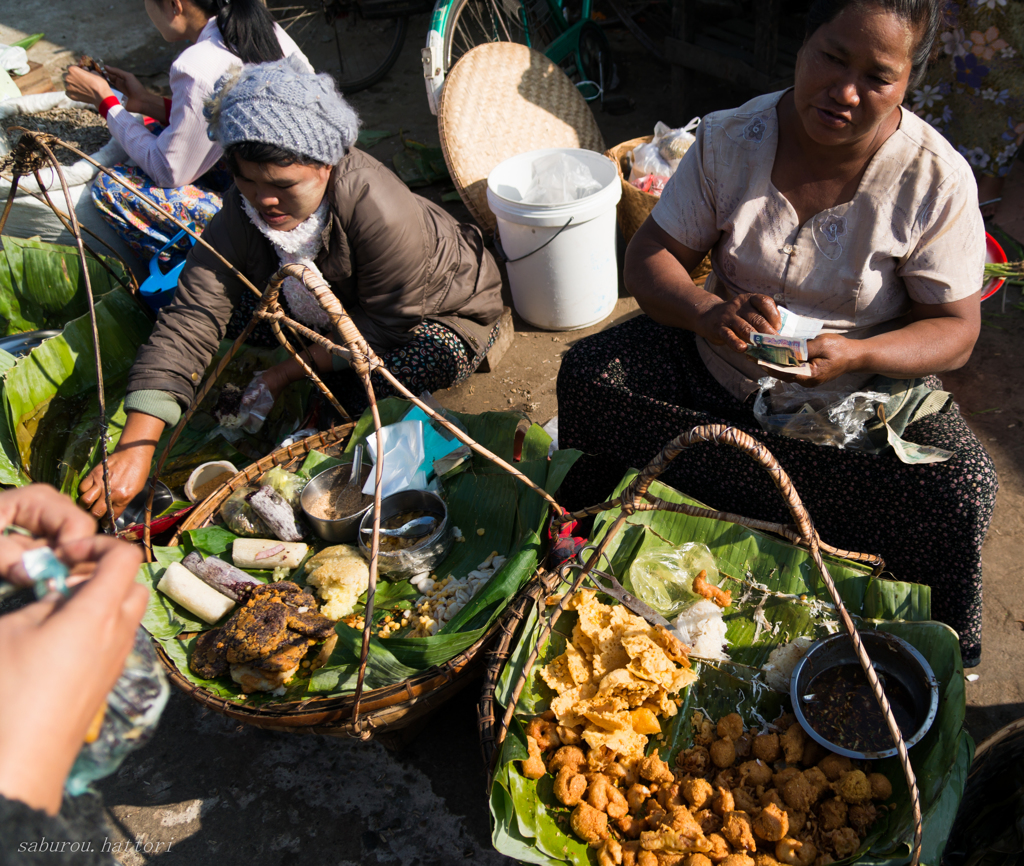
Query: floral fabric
x=974 y=92
x=911 y=232
x=137 y=225
x=626 y=392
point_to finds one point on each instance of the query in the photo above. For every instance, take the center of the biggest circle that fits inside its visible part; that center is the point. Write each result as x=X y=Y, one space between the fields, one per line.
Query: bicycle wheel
x=336 y=38
x=474 y=22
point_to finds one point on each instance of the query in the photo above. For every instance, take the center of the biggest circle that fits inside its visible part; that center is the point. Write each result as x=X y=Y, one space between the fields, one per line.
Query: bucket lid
x=502 y=99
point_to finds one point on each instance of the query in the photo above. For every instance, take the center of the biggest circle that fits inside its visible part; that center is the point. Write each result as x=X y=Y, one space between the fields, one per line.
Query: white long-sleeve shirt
x=183 y=152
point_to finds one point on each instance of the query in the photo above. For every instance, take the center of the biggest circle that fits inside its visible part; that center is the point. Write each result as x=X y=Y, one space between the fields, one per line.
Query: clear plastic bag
x=288 y=484
x=647 y=160
x=560 y=178
x=664 y=578
x=238 y=515
x=833 y=418
x=661 y=156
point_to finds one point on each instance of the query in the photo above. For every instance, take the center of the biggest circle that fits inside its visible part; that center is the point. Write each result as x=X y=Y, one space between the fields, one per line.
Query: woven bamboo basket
x=636 y=205
x=385 y=710
x=636 y=497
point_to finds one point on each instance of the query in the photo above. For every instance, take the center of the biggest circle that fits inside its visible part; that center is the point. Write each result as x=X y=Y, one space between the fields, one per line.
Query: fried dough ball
x=669 y=858
x=636 y=796
x=881 y=787
x=654 y=769
x=533 y=767
x=630 y=851
x=816 y=779
x=813 y=753
x=744 y=744
x=631 y=826
x=647 y=858
x=772 y=824
x=797 y=820
x=738 y=860
x=832 y=814
x=745 y=800
x=854 y=787
x=698 y=792
x=723 y=753
x=799 y=794
x=695 y=761
x=719 y=848
x=756 y=772
x=780 y=778
x=783 y=722
x=654 y=813
x=570 y=786
x=598 y=759
x=793 y=742
x=568 y=756
x=793 y=852
x=590 y=824
x=771 y=796
x=737 y=830
x=728 y=778
x=697 y=860
x=763 y=858
x=767 y=748
x=543 y=731
x=610 y=853
x=833 y=766
x=709 y=821
x=670 y=795
x=861 y=817
x=603 y=795
x=624 y=774
x=845 y=841
x=703 y=730
x=569 y=736
x=722 y=802
x=730 y=726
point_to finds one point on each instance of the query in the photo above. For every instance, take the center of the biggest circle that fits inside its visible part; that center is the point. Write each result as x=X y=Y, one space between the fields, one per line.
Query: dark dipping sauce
x=844 y=710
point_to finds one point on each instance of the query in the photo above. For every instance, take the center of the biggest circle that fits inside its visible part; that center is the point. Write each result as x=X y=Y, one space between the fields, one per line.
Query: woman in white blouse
x=174 y=162
x=831 y=202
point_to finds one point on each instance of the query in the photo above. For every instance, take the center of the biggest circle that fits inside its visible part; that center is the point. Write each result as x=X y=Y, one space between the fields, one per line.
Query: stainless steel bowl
x=345 y=528
x=136 y=510
x=428 y=552
x=894 y=658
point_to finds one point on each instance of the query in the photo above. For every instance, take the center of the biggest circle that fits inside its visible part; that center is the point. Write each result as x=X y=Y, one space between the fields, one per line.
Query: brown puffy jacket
x=393 y=258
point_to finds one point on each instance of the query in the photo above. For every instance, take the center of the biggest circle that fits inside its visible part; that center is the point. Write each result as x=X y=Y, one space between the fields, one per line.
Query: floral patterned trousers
x=626 y=392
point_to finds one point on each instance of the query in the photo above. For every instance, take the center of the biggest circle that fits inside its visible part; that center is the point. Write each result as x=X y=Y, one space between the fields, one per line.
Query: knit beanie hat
x=284 y=104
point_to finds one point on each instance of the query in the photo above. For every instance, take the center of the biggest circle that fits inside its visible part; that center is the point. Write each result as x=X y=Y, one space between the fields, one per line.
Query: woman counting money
x=828 y=201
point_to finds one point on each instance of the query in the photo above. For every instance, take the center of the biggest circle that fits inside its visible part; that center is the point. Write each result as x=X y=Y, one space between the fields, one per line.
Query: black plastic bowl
x=893 y=657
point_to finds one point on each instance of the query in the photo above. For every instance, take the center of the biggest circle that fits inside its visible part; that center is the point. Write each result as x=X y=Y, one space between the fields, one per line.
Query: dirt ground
x=206 y=789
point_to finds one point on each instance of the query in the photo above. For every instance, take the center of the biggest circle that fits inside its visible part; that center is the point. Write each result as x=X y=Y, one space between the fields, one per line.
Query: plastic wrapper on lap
x=664 y=578
x=559 y=178
x=238 y=515
x=824 y=417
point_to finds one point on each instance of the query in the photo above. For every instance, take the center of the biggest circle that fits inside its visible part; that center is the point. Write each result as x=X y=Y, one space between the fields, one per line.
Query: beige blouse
x=912 y=231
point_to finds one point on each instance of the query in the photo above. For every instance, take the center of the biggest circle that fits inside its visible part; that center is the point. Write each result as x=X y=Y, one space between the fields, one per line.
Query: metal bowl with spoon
x=345 y=482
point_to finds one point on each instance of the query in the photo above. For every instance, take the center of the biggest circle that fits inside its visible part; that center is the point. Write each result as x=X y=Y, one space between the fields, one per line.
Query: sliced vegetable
x=276 y=513
x=182 y=586
x=264 y=553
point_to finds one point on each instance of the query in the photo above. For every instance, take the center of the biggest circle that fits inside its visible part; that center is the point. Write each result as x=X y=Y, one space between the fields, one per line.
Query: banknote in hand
x=785 y=354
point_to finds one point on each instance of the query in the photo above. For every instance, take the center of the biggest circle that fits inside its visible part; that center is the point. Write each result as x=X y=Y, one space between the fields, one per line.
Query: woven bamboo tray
x=385 y=710
x=636 y=205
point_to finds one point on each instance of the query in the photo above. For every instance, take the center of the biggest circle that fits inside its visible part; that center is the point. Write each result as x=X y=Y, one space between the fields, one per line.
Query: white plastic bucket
x=563 y=275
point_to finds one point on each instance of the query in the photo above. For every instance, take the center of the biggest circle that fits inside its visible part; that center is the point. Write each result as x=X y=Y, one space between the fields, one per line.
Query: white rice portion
x=702 y=628
x=779 y=667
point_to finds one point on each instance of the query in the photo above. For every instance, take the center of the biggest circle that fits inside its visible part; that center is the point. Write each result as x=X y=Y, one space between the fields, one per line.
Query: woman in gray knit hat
x=420 y=286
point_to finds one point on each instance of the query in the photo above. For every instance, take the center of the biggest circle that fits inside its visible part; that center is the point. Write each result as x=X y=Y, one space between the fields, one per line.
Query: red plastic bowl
x=994 y=254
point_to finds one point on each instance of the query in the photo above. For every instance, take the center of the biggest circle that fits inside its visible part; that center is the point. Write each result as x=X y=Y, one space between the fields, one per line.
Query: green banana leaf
x=775 y=579
x=41 y=284
x=481 y=496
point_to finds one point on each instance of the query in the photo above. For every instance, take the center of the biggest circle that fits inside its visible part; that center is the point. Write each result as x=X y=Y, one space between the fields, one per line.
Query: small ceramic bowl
x=428 y=552
x=207 y=472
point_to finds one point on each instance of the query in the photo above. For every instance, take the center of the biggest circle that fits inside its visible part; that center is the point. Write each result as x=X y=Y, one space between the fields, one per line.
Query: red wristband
x=107 y=104
x=167 y=107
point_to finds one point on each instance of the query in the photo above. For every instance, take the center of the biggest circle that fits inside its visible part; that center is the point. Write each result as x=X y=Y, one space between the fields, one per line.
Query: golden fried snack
x=771 y=796
x=833 y=766
x=670 y=858
x=727 y=778
x=630 y=852
x=738 y=859
x=533 y=767
x=723 y=801
x=744 y=745
x=568 y=756
x=709 y=821
x=698 y=792
x=603 y=795
x=763 y=858
x=832 y=814
x=754 y=773
x=589 y=824
x=570 y=786
x=723 y=753
x=861 y=817
x=793 y=742
x=719 y=848
x=631 y=826
x=881 y=787
x=680 y=820
x=797 y=820
x=772 y=824
x=780 y=778
x=721 y=597
x=697 y=860
x=816 y=779
x=543 y=731
x=745 y=800
x=610 y=853
x=813 y=753
x=647 y=858
x=738 y=831
x=670 y=795
x=695 y=761
x=854 y=787
x=636 y=796
x=569 y=736
x=845 y=841
x=654 y=769
x=730 y=726
x=793 y=852
x=799 y=794
x=767 y=748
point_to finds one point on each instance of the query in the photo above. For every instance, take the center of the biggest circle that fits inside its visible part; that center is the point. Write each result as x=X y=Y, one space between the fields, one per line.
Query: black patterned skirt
x=626 y=392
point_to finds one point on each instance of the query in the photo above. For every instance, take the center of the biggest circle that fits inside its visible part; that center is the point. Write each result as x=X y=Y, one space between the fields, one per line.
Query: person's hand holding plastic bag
x=257 y=401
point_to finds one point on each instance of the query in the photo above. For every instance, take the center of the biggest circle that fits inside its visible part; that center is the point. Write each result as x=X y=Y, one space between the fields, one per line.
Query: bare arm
x=657 y=274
